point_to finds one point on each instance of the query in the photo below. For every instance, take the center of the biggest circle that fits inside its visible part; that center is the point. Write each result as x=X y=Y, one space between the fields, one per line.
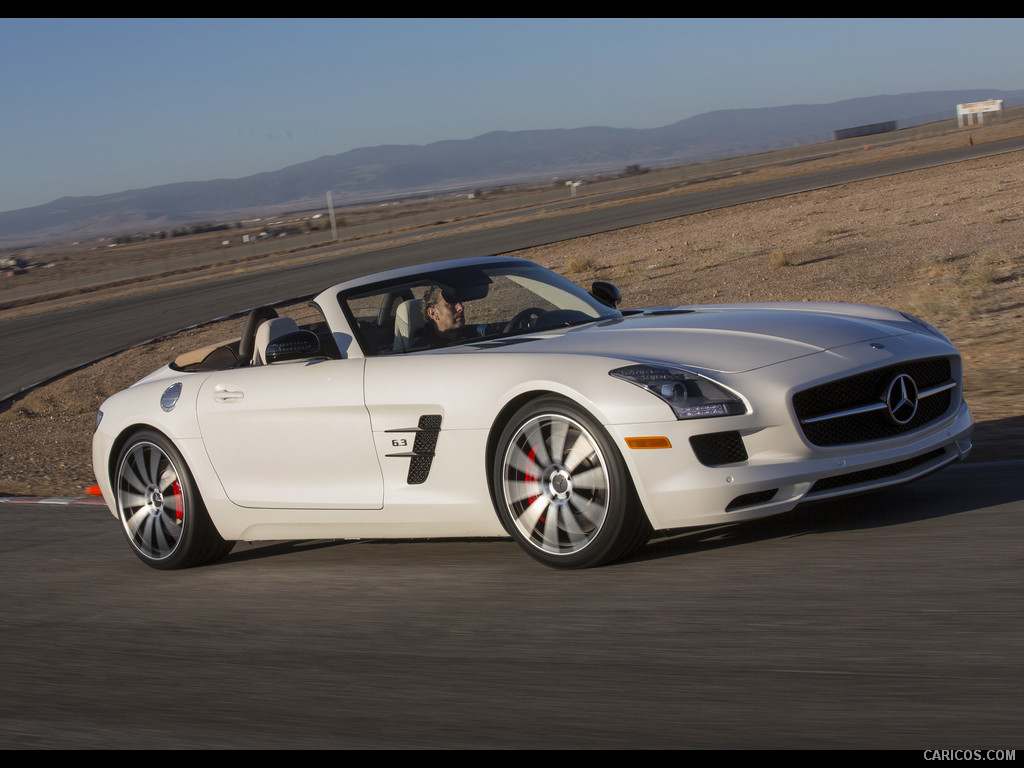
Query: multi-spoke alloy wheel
x=562 y=488
x=161 y=513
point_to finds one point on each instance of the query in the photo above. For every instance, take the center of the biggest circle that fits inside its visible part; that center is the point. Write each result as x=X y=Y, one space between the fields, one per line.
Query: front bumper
x=678 y=491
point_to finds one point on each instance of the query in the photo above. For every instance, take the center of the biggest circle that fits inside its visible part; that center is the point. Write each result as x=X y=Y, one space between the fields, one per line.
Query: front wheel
x=161 y=512
x=562 y=489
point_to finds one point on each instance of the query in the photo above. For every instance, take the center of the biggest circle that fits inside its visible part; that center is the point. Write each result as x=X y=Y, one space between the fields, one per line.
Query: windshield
x=471 y=303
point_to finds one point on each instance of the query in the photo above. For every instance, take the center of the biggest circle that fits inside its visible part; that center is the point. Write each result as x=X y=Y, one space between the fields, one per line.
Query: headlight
x=99 y=418
x=690 y=396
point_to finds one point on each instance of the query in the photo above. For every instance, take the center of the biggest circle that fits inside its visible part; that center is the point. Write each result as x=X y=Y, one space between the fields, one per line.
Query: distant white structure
x=976 y=111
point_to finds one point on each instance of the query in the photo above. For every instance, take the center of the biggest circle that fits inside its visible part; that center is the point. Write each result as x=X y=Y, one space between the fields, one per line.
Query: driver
x=444 y=318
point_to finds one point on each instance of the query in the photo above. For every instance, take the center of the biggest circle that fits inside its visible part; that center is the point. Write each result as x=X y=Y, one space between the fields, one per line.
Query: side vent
x=718 y=448
x=751 y=499
x=422 y=454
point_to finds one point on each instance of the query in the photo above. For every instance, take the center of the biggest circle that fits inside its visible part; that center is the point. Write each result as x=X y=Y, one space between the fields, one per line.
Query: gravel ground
x=945 y=243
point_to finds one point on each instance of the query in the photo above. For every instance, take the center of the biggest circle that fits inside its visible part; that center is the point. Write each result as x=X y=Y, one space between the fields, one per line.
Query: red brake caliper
x=532 y=456
x=178 y=501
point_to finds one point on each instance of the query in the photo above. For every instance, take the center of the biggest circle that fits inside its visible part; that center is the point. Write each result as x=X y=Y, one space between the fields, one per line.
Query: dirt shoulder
x=945 y=243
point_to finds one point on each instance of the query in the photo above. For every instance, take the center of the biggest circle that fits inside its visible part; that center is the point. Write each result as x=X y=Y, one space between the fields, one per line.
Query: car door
x=292 y=435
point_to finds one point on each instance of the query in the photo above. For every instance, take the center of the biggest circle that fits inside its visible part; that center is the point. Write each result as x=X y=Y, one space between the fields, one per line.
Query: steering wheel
x=523 y=319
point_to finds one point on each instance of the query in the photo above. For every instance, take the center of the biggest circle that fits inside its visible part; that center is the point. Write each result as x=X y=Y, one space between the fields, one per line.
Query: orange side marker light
x=638 y=443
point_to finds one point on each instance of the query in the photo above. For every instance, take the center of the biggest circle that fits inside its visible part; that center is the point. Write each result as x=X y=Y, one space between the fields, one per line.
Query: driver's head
x=443 y=309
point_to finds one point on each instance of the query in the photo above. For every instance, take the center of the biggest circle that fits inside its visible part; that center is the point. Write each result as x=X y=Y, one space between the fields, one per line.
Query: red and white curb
x=90 y=500
x=93 y=498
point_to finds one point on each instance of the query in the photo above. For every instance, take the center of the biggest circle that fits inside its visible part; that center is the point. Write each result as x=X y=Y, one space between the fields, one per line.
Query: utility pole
x=330 y=209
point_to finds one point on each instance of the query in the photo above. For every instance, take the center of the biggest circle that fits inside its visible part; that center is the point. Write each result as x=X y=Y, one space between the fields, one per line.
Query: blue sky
x=95 y=106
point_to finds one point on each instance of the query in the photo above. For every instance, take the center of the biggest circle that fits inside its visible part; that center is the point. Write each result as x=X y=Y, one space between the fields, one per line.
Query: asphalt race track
x=891 y=621
x=37 y=348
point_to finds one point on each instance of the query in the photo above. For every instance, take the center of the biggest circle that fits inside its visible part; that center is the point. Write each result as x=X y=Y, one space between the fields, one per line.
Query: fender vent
x=422 y=454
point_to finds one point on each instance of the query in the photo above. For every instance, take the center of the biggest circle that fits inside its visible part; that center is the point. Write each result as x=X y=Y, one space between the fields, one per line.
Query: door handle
x=223 y=393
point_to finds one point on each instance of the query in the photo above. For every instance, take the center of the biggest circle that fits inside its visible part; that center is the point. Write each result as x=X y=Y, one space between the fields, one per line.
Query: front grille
x=852 y=410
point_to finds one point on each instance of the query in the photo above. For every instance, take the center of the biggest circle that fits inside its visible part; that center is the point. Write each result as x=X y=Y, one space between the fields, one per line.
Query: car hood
x=724 y=338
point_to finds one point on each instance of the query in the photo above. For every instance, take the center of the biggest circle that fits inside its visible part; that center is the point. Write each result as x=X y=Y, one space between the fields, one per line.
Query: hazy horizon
x=100 y=106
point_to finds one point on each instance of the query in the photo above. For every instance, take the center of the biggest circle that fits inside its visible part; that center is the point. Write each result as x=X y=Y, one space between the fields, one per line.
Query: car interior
x=263 y=329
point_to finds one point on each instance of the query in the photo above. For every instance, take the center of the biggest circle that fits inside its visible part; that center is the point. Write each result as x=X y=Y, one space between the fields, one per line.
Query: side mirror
x=607 y=293
x=293 y=346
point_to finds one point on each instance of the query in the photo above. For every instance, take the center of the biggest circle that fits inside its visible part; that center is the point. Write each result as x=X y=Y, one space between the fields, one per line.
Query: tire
x=161 y=512
x=562 y=490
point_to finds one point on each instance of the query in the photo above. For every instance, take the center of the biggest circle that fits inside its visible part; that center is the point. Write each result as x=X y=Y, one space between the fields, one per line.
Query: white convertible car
x=492 y=397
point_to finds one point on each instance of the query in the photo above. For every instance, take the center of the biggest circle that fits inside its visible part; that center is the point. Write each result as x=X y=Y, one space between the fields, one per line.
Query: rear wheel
x=562 y=489
x=161 y=512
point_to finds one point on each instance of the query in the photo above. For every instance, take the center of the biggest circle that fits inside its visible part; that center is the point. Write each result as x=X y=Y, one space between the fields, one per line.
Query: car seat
x=269 y=331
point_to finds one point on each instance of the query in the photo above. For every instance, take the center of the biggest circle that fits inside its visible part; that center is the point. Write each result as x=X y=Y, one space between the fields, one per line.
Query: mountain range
x=500 y=157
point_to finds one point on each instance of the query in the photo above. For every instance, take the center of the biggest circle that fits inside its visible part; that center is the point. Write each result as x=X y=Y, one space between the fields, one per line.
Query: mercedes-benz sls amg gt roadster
x=494 y=398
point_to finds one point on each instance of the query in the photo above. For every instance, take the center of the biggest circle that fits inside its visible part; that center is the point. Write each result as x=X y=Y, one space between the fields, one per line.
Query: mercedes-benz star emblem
x=901 y=399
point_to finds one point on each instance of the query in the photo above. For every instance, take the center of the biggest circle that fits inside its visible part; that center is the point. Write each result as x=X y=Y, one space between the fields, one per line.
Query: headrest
x=408 y=323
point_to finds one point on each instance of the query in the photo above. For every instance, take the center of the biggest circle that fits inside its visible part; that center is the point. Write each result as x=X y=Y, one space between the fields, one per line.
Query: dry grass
x=779 y=258
x=579 y=265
